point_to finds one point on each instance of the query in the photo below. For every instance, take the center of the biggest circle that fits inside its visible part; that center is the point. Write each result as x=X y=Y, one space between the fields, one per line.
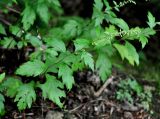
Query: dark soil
x=82 y=104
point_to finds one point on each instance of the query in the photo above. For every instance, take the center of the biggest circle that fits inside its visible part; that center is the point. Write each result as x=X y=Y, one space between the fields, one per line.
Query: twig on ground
x=99 y=92
x=70 y=111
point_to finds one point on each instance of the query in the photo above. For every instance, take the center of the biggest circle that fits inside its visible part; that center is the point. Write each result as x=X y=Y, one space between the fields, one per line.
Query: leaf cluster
x=61 y=45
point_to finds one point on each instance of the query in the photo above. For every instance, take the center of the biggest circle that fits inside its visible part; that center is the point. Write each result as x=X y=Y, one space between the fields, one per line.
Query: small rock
x=128 y=115
x=54 y=115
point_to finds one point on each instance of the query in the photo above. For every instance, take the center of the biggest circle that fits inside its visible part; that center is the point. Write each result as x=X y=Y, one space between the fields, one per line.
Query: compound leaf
x=151 y=20
x=42 y=10
x=103 y=65
x=11 y=86
x=88 y=59
x=31 y=68
x=29 y=17
x=66 y=73
x=50 y=89
x=128 y=51
x=81 y=43
x=25 y=96
x=57 y=44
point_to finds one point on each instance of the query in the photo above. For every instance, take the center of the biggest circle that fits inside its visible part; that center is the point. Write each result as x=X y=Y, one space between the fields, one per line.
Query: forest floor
x=89 y=99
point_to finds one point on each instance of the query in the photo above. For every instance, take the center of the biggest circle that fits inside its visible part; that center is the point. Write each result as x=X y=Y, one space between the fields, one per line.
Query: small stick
x=70 y=111
x=5 y=21
x=99 y=92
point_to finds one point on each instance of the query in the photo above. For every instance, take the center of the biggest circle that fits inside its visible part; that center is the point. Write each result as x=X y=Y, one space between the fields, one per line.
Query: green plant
x=60 y=45
x=129 y=89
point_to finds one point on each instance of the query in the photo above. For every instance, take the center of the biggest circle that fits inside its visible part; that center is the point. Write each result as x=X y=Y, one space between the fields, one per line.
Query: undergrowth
x=57 y=45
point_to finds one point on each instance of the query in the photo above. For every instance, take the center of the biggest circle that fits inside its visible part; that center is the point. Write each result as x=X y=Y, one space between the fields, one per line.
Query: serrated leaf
x=50 y=89
x=11 y=86
x=31 y=68
x=135 y=86
x=143 y=40
x=129 y=52
x=35 y=41
x=8 y=42
x=71 y=29
x=98 y=4
x=42 y=10
x=55 y=2
x=15 y=30
x=147 y=32
x=29 y=17
x=88 y=59
x=120 y=23
x=25 y=96
x=131 y=34
x=151 y=20
x=98 y=16
x=107 y=37
x=57 y=44
x=2 y=76
x=36 y=55
x=103 y=65
x=2 y=29
x=51 y=52
x=67 y=75
x=1 y=103
x=81 y=43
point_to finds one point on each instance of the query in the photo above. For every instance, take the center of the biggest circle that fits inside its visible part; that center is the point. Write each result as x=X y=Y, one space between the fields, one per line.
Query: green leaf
x=50 y=89
x=141 y=34
x=151 y=20
x=57 y=44
x=147 y=32
x=11 y=86
x=98 y=16
x=2 y=29
x=103 y=65
x=35 y=41
x=55 y=2
x=1 y=103
x=135 y=86
x=133 y=33
x=36 y=55
x=120 y=23
x=29 y=17
x=81 y=43
x=42 y=10
x=2 y=76
x=31 y=68
x=71 y=29
x=15 y=1
x=107 y=37
x=143 y=40
x=66 y=73
x=88 y=60
x=129 y=52
x=98 y=4
x=51 y=52
x=15 y=30
x=25 y=96
x=8 y=42
x=117 y=21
